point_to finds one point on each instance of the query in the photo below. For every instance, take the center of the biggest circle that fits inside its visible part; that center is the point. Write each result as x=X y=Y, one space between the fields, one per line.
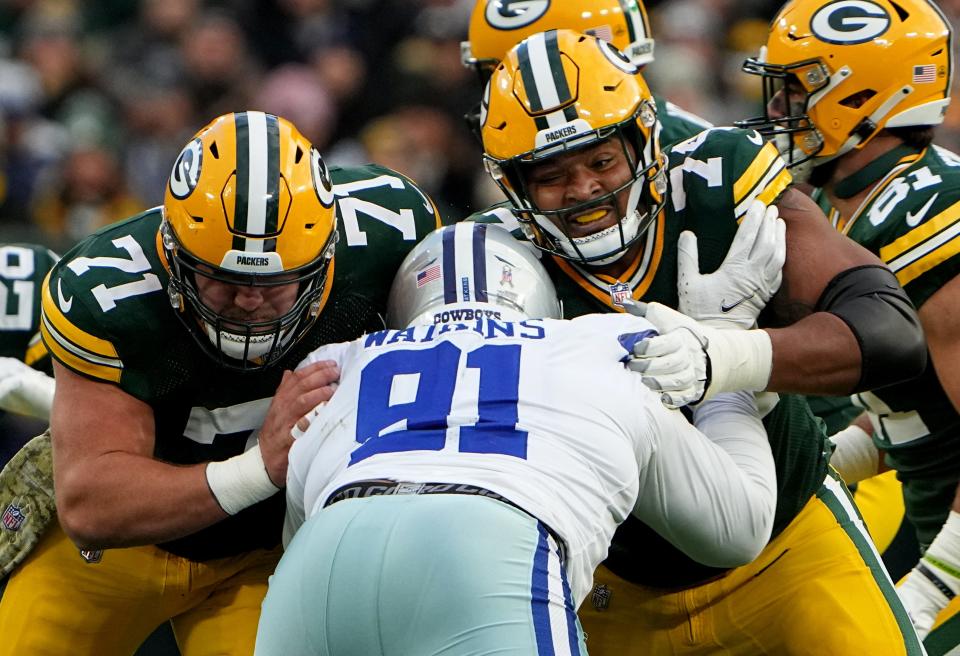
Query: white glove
x=24 y=390
x=690 y=361
x=925 y=595
x=922 y=600
x=749 y=276
x=855 y=456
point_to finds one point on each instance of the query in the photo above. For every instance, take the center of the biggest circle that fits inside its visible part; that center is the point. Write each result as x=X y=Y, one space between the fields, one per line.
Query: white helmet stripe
x=542 y=73
x=257 y=191
x=470 y=270
x=636 y=24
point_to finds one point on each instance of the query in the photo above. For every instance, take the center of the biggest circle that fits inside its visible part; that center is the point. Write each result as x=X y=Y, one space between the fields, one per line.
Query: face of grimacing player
x=572 y=178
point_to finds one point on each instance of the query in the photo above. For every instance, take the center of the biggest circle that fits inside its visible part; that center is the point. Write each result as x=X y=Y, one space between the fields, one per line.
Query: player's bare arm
x=103 y=440
x=819 y=352
x=940 y=317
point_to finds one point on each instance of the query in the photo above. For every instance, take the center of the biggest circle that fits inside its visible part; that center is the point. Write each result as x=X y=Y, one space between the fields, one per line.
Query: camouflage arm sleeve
x=26 y=497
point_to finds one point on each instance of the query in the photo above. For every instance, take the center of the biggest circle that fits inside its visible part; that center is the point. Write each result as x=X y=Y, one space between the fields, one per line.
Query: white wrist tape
x=856 y=457
x=739 y=360
x=240 y=481
x=943 y=554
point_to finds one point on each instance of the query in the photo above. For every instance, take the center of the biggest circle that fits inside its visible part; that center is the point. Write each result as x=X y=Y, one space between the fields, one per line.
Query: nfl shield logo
x=619 y=292
x=600 y=598
x=13 y=517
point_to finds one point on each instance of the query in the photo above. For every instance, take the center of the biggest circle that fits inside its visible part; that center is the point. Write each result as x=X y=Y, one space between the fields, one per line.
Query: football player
x=479 y=460
x=853 y=94
x=173 y=335
x=570 y=134
x=26 y=387
x=498 y=25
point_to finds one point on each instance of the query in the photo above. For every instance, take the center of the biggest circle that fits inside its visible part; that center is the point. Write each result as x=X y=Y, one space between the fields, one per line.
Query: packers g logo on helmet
x=850 y=21
x=514 y=14
x=617 y=58
x=186 y=170
x=321 y=178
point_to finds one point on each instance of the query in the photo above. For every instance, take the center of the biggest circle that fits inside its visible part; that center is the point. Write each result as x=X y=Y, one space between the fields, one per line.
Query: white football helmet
x=470 y=271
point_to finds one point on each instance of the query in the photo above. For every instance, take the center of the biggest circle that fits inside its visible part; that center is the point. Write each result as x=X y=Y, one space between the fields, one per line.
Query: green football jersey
x=677 y=124
x=714 y=177
x=107 y=316
x=22 y=270
x=911 y=220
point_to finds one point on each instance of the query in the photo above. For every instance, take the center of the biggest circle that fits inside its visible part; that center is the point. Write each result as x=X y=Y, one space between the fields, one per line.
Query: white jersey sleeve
x=714 y=499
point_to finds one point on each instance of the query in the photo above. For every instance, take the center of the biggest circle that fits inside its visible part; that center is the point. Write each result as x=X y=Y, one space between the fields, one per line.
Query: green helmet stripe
x=258 y=181
x=242 y=181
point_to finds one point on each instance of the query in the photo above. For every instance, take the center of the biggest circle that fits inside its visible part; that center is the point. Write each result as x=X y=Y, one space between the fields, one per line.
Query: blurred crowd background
x=97 y=97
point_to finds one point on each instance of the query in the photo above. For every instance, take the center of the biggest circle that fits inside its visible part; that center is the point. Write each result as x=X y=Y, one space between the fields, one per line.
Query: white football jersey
x=542 y=412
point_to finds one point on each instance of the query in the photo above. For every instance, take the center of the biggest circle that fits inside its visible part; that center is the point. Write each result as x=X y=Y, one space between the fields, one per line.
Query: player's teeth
x=590 y=216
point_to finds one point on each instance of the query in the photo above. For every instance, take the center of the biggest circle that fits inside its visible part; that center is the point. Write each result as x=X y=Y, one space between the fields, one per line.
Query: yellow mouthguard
x=591 y=216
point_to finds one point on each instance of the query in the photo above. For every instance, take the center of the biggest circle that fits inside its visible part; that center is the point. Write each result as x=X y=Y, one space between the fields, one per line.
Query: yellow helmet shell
x=895 y=55
x=498 y=25
x=249 y=194
x=525 y=114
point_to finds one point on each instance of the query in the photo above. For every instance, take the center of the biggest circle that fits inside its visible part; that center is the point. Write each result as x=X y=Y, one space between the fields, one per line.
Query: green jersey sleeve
x=102 y=295
x=714 y=178
x=677 y=124
x=914 y=224
x=382 y=215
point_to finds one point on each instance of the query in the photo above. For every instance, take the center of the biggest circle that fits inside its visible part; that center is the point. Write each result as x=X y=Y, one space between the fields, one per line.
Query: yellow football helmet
x=836 y=72
x=559 y=91
x=249 y=202
x=498 y=25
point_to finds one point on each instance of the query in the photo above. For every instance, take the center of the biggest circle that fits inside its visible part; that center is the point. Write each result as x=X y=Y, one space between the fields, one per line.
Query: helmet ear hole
x=858 y=99
x=901 y=12
x=214 y=150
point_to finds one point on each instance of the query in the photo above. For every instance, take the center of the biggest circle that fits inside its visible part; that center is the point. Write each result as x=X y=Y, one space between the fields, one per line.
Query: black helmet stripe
x=541 y=69
x=480 y=262
x=449 y=266
x=257 y=206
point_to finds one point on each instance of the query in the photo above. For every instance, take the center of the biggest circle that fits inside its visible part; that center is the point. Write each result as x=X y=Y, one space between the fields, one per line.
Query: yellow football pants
x=818 y=588
x=880 y=501
x=56 y=603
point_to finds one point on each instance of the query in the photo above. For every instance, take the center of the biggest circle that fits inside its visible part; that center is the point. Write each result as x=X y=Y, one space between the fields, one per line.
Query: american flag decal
x=604 y=32
x=925 y=73
x=429 y=274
